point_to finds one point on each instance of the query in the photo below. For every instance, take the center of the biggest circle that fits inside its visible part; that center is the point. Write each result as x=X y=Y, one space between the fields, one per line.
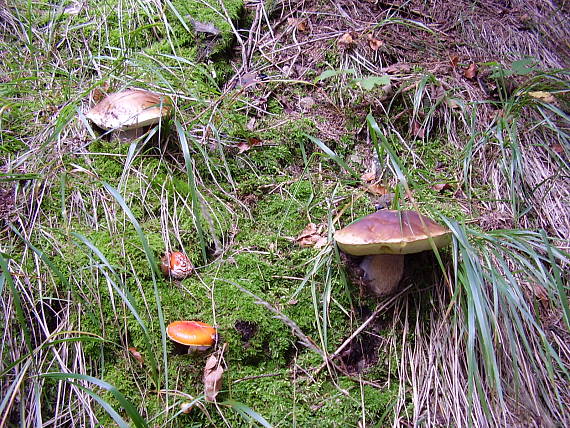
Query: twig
x=381 y=308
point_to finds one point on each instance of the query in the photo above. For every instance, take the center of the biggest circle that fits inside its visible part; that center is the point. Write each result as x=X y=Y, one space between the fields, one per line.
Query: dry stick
x=359 y=329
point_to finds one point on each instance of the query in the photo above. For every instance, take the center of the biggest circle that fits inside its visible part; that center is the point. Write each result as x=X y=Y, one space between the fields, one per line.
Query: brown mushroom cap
x=130 y=109
x=391 y=232
x=195 y=334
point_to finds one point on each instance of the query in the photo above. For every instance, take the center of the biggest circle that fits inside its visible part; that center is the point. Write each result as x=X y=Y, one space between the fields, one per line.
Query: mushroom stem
x=383 y=272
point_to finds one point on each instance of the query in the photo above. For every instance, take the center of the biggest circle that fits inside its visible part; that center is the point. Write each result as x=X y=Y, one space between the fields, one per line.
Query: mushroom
x=176 y=265
x=384 y=237
x=196 y=335
x=129 y=111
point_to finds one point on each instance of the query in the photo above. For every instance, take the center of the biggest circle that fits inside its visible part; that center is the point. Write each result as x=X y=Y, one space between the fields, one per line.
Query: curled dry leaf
x=368 y=176
x=374 y=43
x=547 y=97
x=136 y=355
x=376 y=189
x=441 y=187
x=244 y=146
x=99 y=93
x=398 y=68
x=299 y=24
x=540 y=293
x=417 y=129
x=213 y=372
x=311 y=237
x=454 y=60
x=557 y=148
x=204 y=27
x=345 y=41
x=186 y=407
x=471 y=71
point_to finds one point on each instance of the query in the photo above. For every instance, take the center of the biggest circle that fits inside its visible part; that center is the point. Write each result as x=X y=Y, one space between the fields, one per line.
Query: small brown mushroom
x=128 y=112
x=384 y=237
x=176 y=265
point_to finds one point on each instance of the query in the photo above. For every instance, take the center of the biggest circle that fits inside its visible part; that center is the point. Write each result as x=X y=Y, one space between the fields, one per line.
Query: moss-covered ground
x=231 y=178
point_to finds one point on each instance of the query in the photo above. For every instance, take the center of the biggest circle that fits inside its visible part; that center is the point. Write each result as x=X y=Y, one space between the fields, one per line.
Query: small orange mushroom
x=198 y=336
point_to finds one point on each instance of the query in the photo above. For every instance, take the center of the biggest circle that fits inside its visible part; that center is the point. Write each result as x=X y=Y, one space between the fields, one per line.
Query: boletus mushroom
x=127 y=113
x=196 y=335
x=383 y=238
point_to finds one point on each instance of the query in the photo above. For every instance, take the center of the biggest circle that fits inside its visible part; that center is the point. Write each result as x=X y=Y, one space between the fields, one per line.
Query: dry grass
x=511 y=149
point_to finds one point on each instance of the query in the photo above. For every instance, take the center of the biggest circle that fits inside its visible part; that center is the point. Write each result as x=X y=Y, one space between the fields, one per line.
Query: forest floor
x=291 y=119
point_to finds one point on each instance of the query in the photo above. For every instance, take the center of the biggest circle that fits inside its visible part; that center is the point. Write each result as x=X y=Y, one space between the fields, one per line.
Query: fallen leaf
x=311 y=237
x=136 y=354
x=376 y=189
x=374 y=43
x=547 y=97
x=244 y=146
x=452 y=103
x=397 y=68
x=540 y=293
x=345 y=41
x=248 y=79
x=384 y=201
x=306 y=103
x=251 y=124
x=204 y=27
x=299 y=24
x=186 y=407
x=441 y=187
x=213 y=372
x=99 y=93
x=454 y=60
x=416 y=129
x=471 y=71
x=369 y=176
x=557 y=148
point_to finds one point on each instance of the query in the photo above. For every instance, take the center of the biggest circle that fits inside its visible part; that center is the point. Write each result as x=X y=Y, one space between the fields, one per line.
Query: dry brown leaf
x=204 y=27
x=299 y=24
x=557 y=148
x=213 y=372
x=398 y=68
x=540 y=293
x=99 y=93
x=244 y=146
x=311 y=237
x=416 y=129
x=136 y=355
x=367 y=177
x=547 y=97
x=374 y=43
x=376 y=189
x=186 y=407
x=345 y=41
x=471 y=71
x=441 y=187
x=454 y=60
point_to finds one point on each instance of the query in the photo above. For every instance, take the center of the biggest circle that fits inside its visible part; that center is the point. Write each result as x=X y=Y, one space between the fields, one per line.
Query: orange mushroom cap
x=195 y=334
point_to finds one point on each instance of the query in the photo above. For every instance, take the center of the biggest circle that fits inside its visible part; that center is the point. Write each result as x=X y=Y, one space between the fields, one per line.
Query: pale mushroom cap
x=130 y=109
x=191 y=333
x=391 y=232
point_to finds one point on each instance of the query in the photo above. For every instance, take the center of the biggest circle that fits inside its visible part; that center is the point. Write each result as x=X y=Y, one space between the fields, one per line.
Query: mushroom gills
x=383 y=272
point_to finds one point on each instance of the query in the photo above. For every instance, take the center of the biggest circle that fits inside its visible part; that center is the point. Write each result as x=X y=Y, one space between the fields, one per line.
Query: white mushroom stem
x=383 y=272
